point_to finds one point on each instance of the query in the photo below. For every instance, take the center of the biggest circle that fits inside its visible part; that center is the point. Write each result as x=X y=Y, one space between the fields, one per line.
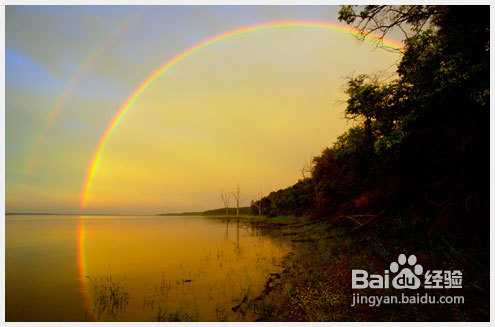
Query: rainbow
x=129 y=102
x=82 y=270
x=53 y=115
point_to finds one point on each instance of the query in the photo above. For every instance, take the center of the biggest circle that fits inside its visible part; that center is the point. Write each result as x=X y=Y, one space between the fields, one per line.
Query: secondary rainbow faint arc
x=71 y=85
x=117 y=118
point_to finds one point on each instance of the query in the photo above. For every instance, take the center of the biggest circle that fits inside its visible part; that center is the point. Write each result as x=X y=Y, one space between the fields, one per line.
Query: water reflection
x=227 y=222
x=137 y=268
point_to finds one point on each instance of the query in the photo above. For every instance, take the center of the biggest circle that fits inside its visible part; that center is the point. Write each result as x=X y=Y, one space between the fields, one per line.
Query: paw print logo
x=407 y=277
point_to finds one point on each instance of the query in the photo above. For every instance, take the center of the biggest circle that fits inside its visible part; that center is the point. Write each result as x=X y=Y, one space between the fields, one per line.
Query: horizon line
x=76 y=214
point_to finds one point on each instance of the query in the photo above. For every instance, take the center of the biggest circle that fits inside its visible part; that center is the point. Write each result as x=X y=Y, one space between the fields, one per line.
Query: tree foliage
x=421 y=141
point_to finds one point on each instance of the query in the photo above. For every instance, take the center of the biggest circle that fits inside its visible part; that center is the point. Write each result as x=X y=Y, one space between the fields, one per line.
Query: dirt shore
x=315 y=281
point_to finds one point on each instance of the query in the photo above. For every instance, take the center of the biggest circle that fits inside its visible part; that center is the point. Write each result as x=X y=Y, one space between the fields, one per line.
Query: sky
x=250 y=110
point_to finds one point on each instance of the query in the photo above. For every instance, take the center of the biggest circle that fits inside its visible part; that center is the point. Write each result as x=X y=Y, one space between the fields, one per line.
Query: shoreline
x=314 y=282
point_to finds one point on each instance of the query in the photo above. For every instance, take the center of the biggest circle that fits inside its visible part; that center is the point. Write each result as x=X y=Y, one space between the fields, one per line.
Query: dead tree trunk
x=226 y=201
x=237 y=196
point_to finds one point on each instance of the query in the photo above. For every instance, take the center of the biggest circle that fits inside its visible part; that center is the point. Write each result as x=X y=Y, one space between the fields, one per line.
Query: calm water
x=133 y=268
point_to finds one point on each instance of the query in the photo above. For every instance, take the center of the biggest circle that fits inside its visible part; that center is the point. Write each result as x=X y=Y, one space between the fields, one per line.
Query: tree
x=257 y=204
x=381 y=20
x=237 y=196
x=226 y=201
x=420 y=137
x=306 y=169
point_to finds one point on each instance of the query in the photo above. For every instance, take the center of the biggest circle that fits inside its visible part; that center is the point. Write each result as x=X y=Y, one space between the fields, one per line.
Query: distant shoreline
x=212 y=212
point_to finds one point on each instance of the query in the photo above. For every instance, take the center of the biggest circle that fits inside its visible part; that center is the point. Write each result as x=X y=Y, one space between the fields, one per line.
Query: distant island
x=212 y=212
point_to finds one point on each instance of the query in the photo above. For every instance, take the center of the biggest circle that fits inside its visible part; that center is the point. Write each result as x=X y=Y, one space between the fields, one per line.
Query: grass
x=110 y=296
x=284 y=219
x=175 y=316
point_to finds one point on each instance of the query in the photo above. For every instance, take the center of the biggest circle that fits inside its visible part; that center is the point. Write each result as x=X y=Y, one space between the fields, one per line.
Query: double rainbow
x=128 y=103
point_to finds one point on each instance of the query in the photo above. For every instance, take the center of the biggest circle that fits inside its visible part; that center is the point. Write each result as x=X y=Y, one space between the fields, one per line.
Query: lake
x=134 y=268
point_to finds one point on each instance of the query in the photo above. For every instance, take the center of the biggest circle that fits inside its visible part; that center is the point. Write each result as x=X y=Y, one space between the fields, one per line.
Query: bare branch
x=382 y=20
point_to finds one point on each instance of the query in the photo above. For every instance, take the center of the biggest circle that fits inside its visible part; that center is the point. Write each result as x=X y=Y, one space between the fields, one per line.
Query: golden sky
x=248 y=110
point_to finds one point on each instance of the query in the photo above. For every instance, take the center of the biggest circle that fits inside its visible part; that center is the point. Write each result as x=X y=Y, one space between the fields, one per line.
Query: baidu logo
x=406 y=273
